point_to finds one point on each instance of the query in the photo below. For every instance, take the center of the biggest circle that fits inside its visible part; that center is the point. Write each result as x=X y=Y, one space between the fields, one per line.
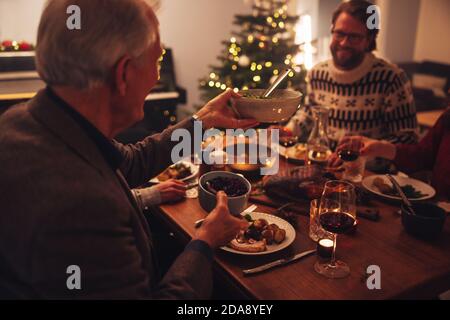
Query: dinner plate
x=417 y=184
x=293 y=155
x=194 y=171
x=283 y=224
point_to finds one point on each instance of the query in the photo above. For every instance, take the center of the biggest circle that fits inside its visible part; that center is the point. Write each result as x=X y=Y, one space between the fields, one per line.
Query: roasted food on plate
x=304 y=183
x=177 y=171
x=258 y=235
x=298 y=152
x=409 y=191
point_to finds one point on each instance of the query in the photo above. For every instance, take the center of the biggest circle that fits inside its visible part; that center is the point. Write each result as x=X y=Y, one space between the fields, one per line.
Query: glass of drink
x=354 y=164
x=288 y=139
x=337 y=214
x=316 y=232
x=318 y=144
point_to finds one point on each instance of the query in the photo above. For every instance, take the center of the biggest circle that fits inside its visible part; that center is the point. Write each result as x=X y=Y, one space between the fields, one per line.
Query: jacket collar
x=65 y=128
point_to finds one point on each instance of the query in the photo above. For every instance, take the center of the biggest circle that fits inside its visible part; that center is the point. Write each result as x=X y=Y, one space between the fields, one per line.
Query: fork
x=250 y=209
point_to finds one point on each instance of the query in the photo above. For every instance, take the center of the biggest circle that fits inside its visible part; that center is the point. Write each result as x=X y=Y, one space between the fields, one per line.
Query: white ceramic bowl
x=208 y=200
x=279 y=107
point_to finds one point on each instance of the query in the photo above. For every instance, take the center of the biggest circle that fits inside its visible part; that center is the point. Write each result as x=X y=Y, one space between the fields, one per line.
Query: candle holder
x=325 y=248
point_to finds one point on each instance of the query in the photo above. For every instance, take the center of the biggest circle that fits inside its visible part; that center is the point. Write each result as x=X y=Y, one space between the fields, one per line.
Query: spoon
x=401 y=193
x=275 y=84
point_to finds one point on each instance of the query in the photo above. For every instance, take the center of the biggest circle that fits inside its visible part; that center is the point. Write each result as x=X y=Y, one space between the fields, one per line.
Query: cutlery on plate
x=279 y=262
x=250 y=209
x=401 y=193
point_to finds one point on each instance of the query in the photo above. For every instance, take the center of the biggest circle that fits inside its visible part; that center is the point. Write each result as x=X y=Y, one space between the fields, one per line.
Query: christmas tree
x=253 y=57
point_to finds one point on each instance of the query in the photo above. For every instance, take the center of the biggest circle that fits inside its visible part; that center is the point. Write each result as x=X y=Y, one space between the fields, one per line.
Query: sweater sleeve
x=400 y=111
x=421 y=156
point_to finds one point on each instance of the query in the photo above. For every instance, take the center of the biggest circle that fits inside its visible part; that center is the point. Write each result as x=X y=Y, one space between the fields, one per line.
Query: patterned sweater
x=374 y=100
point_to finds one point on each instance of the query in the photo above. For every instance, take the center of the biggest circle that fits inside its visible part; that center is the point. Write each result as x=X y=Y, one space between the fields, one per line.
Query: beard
x=346 y=58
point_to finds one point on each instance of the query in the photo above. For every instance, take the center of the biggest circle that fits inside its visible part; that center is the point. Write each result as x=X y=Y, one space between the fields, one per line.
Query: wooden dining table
x=410 y=268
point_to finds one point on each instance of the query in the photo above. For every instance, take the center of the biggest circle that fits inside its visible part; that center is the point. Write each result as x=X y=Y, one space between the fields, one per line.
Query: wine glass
x=288 y=138
x=348 y=151
x=354 y=164
x=337 y=214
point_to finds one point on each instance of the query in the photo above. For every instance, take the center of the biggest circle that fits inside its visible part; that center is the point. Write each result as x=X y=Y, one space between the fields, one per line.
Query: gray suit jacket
x=62 y=205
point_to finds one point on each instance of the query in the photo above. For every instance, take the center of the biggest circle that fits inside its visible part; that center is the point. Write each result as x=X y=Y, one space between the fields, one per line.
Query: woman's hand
x=171 y=190
x=367 y=148
x=217 y=113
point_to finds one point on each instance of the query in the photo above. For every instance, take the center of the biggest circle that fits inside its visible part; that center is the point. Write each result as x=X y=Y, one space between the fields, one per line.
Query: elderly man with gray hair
x=65 y=183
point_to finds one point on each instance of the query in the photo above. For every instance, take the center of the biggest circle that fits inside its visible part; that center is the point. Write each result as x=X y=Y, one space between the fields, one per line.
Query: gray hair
x=84 y=58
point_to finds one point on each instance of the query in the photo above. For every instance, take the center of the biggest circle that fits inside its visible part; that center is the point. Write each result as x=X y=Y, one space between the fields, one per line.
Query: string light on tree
x=244 y=61
x=254 y=54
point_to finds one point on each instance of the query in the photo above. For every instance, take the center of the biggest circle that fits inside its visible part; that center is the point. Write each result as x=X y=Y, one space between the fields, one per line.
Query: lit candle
x=325 y=248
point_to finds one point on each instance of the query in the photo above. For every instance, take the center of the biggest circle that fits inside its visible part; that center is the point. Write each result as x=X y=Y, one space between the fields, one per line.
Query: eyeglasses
x=353 y=38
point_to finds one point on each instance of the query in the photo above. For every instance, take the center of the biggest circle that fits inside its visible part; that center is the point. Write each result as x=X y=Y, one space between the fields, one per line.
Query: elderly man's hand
x=217 y=113
x=220 y=227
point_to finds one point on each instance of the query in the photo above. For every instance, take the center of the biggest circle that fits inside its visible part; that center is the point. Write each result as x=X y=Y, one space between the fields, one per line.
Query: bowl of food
x=235 y=186
x=278 y=107
x=426 y=222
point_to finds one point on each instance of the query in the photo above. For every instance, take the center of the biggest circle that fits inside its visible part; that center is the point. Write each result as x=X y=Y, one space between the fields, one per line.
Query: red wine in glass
x=287 y=138
x=336 y=222
x=348 y=155
x=288 y=142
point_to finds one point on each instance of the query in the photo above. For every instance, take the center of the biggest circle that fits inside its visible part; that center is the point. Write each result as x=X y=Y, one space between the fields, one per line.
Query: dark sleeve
x=421 y=156
x=95 y=236
x=110 y=254
x=152 y=155
x=195 y=265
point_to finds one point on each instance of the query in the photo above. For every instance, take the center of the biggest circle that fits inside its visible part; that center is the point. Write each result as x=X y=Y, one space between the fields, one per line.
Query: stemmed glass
x=348 y=150
x=354 y=164
x=337 y=214
x=288 y=138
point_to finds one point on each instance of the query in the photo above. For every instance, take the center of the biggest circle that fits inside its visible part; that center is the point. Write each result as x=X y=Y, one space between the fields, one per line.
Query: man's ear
x=121 y=75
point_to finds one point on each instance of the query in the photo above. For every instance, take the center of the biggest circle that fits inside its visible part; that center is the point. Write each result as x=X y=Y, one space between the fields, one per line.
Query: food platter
x=193 y=168
x=283 y=224
x=295 y=154
x=425 y=189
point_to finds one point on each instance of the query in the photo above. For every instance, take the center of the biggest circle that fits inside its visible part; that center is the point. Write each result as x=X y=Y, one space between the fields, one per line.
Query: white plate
x=283 y=224
x=292 y=155
x=194 y=170
x=418 y=185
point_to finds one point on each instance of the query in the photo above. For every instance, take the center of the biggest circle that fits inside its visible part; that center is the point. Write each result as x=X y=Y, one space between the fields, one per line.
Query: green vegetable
x=409 y=191
x=248 y=218
x=254 y=96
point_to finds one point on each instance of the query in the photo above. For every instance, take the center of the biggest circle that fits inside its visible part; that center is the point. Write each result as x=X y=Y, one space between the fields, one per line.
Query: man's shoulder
x=14 y=114
x=322 y=66
x=319 y=69
x=380 y=64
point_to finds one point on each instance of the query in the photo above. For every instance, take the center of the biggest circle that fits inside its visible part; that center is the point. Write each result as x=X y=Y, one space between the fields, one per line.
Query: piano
x=19 y=82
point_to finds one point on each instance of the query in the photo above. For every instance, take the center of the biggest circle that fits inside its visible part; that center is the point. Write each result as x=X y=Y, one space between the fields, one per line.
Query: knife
x=279 y=262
